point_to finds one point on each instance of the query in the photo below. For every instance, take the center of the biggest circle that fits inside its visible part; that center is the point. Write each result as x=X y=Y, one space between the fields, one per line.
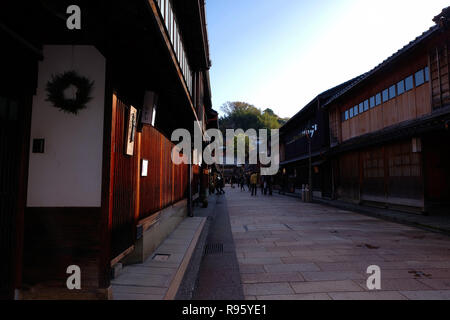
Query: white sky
x=312 y=50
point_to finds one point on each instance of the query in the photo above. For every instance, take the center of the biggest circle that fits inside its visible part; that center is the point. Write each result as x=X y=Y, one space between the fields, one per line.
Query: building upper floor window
x=401 y=87
x=346 y=115
x=173 y=31
x=372 y=102
x=378 y=99
x=409 y=83
x=392 y=92
x=366 y=105
x=385 y=95
x=420 y=78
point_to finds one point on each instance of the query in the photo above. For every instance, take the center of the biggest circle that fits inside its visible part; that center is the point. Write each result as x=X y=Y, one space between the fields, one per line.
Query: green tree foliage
x=241 y=115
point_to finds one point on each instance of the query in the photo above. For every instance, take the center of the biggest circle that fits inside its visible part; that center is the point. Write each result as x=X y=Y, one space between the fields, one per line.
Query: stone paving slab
x=290 y=250
x=440 y=223
x=427 y=295
x=152 y=279
x=219 y=274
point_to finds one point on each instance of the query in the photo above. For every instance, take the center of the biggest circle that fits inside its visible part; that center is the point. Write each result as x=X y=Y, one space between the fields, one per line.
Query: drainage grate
x=161 y=257
x=213 y=248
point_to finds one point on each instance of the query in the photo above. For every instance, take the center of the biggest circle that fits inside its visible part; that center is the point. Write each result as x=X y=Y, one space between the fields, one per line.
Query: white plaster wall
x=69 y=173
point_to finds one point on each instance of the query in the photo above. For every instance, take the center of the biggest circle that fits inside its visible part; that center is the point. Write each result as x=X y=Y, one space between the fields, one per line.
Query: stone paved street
x=291 y=250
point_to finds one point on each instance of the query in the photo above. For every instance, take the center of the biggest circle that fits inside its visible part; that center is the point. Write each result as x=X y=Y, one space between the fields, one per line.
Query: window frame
x=426 y=71
x=385 y=95
x=361 y=108
x=406 y=83
x=422 y=80
x=372 y=105
x=379 y=96
x=366 y=105
x=392 y=92
x=400 y=92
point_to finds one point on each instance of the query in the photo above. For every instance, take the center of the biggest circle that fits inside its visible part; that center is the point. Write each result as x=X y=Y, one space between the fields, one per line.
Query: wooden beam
x=430 y=82
x=137 y=206
x=439 y=76
x=22 y=41
x=120 y=257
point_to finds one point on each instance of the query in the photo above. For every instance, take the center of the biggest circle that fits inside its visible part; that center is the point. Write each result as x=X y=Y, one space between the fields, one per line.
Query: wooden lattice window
x=403 y=162
x=373 y=163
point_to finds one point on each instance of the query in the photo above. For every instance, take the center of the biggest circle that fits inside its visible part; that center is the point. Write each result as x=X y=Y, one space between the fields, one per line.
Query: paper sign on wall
x=144 y=171
x=131 y=132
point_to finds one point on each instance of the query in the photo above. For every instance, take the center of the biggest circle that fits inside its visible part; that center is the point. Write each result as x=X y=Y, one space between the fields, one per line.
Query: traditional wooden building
x=389 y=130
x=96 y=185
x=303 y=138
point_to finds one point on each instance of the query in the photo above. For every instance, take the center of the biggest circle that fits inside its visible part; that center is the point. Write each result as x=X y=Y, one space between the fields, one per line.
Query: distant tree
x=242 y=115
x=269 y=120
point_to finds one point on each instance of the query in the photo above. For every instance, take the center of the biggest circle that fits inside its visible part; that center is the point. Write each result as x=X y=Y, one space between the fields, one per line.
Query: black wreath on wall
x=60 y=82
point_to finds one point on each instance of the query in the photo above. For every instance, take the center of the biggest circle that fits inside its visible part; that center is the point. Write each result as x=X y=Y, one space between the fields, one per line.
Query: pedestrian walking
x=242 y=181
x=261 y=184
x=221 y=185
x=253 y=184
x=270 y=185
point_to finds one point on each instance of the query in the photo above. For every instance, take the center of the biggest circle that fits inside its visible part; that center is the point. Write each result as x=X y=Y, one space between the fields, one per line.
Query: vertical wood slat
x=124 y=186
x=166 y=183
x=135 y=197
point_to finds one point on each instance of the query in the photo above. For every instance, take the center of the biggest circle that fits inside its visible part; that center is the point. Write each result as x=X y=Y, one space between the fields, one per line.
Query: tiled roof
x=400 y=52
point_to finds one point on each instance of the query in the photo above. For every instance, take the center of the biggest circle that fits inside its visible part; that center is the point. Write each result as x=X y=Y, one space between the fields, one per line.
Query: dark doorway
x=437 y=173
x=12 y=134
x=18 y=70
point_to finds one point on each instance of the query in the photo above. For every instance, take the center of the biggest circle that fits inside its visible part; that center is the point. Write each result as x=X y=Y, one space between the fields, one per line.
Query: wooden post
x=189 y=185
x=107 y=185
x=137 y=197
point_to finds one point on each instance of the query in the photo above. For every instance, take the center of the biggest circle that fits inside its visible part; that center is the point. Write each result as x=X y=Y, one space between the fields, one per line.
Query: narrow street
x=289 y=250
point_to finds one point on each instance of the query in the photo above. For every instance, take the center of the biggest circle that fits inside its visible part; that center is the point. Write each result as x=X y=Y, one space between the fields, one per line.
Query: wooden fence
x=136 y=197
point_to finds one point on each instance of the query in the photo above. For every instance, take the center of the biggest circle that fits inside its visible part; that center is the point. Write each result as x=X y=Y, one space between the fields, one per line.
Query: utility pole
x=310 y=163
x=309 y=137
